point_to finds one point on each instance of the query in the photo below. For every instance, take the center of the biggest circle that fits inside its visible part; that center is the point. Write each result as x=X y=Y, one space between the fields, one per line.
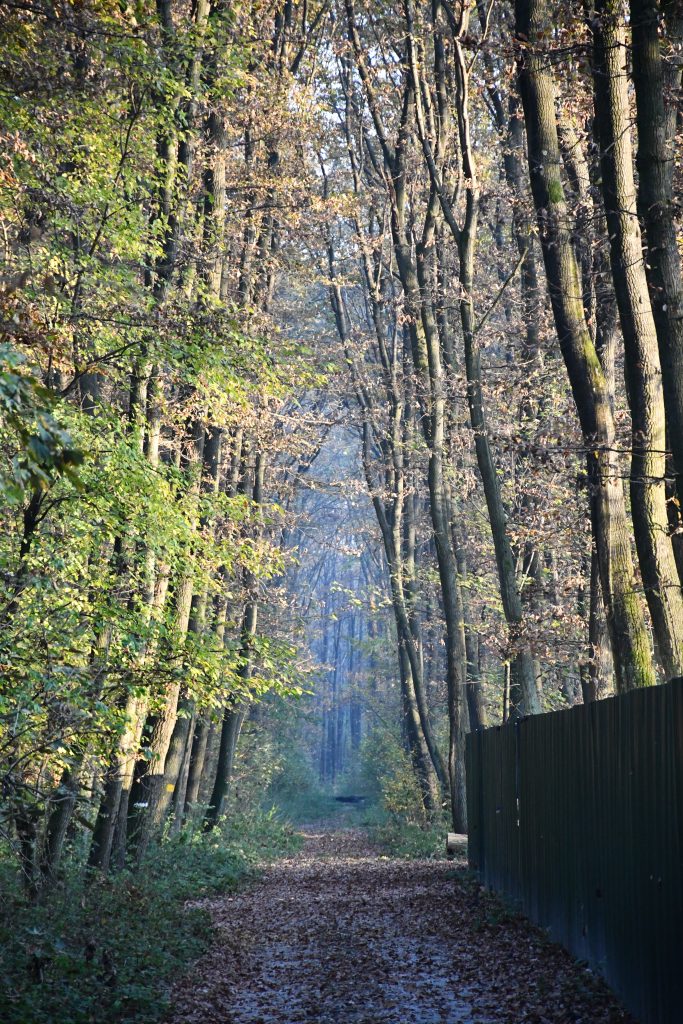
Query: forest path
x=340 y=933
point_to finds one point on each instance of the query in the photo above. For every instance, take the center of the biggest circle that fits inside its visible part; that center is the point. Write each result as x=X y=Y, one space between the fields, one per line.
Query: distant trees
x=431 y=118
x=455 y=235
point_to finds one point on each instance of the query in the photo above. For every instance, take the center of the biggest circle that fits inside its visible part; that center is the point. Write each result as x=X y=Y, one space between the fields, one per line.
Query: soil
x=340 y=933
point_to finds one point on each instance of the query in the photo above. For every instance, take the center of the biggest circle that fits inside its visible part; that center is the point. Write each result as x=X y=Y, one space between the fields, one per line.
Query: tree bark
x=657 y=81
x=524 y=695
x=183 y=730
x=151 y=778
x=200 y=742
x=643 y=372
x=235 y=713
x=628 y=634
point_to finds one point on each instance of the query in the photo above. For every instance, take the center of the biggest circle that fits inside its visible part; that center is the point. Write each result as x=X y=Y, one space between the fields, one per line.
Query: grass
x=393 y=833
x=104 y=949
x=410 y=840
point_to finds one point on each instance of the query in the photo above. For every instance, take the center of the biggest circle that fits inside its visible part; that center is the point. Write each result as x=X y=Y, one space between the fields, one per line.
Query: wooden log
x=453 y=843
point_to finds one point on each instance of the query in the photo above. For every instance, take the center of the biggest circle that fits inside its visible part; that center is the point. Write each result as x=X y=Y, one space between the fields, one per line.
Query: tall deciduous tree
x=643 y=372
x=628 y=635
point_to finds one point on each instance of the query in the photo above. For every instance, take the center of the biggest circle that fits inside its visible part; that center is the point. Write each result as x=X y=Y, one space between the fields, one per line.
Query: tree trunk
x=395 y=519
x=525 y=697
x=475 y=697
x=183 y=730
x=626 y=623
x=414 y=737
x=597 y=677
x=643 y=373
x=426 y=351
x=200 y=742
x=234 y=715
x=233 y=720
x=208 y=777
x=151 y=779
x=62 y=804
x=657 y=31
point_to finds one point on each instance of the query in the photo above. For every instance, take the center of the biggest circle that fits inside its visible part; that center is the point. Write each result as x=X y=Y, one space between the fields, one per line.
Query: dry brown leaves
x=341 y=934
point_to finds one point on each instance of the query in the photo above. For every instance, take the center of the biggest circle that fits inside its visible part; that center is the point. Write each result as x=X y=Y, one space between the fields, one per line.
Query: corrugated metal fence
x=578 y=815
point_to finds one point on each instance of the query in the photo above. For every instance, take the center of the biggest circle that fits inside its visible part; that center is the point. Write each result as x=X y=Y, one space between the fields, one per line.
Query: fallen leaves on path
x=342 y=934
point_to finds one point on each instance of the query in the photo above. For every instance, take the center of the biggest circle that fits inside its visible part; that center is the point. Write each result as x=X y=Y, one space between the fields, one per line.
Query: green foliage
x=555 y=192
x=395 y=813
x=118 y=351
x=93 y=524
x=106 y=948
x=410 y=840
x=387 y=774
x=44 y=448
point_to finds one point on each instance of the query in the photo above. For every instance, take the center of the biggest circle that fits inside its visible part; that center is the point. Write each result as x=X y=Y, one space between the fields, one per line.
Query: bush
x=415 y=842
x=398 y=822
x=104 y=949
x=388 y=776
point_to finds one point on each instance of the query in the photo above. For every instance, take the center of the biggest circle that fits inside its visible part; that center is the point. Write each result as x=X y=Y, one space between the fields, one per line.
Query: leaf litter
x=339 y=934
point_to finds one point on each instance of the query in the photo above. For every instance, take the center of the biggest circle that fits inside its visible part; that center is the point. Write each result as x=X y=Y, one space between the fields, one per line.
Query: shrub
x=388 y=776
x=104 y=949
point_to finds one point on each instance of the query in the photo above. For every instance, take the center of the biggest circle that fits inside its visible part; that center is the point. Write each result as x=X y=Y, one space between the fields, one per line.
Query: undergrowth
x=410 y=840
x=396 y=818
x=103 y=949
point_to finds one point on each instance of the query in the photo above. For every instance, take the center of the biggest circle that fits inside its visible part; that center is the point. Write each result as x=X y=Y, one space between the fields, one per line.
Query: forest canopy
x=341 y=398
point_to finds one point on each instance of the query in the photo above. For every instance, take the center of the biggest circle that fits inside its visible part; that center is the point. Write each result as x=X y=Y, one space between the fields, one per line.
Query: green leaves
x=126 y=557
x=105 y=949
x=45 y=448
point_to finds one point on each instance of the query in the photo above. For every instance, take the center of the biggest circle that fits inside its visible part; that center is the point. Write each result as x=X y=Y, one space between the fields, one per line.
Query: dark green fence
x=578 y=815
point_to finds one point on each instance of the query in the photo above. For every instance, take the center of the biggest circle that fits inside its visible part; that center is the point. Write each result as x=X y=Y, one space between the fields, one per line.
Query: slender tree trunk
x=407 y=601
x=398 y=533
x=628 y=634
x=160 y=728
x=110 y=831
x=233 y=720
x=426 y=348
x=414 y=737
x=62 y=803
x=525 y=697
x=426 y=351
x=200 y=743
x=183 y=730
x=234 y=714
x=657 y=33
x=597 y=675
x=324 y=698
x=643 y=373
x=475 y=696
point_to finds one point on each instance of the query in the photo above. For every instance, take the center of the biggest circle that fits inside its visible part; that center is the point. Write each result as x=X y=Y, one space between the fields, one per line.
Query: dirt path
x=341 y=934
